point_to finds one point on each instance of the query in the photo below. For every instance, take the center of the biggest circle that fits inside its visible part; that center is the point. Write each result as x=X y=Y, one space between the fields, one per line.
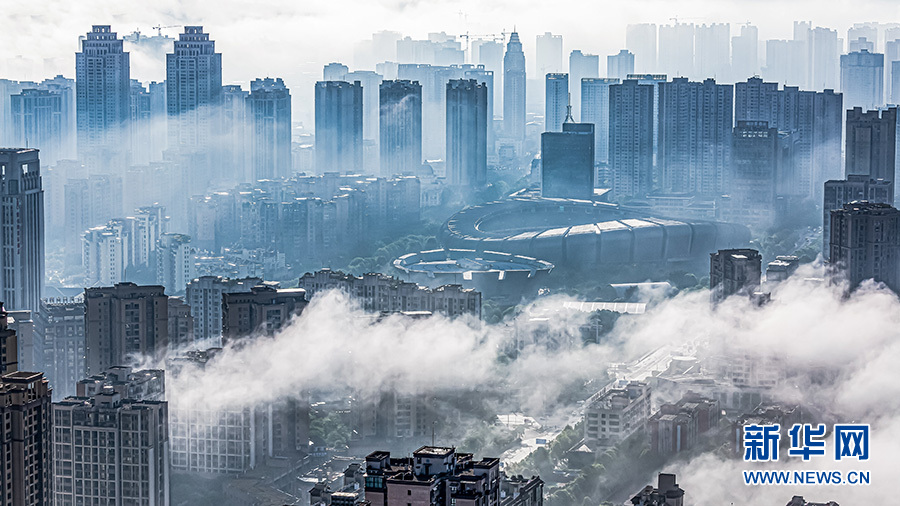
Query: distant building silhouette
x=581 y=65
x=269 y=109
x=618 y=66
x=556 y=101
x=595 y=110
x=865 y=243
x=467 y=117
x=872 y=143
x=400 y=126
x=640 y=39
x=734 y=271
x=339 y=123
x=103 y=102
x=862 y=79
x=514 y=89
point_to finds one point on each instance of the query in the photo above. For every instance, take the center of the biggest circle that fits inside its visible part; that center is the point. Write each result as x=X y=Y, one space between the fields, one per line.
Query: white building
x=616 y=413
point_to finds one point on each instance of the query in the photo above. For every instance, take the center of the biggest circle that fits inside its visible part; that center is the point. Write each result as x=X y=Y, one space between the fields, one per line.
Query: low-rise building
x=615 y=413
x=677 y=427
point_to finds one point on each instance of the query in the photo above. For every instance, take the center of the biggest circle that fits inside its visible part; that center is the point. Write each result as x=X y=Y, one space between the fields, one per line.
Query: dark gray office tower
x=235 y=133
x=567 y=161
x=815 y=119
x=269 y=106
x=631 y=138
x=872 y=143
x=581 y=66
x=121 y=321
x=467 y=116
x=595 y=110
x=734 y=271
x=862 y=79
x=400 y=126
x=854 y=187
x=38 y=120
x=103 y=102
x=514 y=89
x=556 y=101
x=695 y=122
x=194 y=94
x=22 y=222
x=865 y=243
x=753 y=174
x=26 y=440
x=339 y=112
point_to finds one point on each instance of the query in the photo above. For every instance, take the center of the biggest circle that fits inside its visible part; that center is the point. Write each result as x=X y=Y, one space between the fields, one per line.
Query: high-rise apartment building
x=581 y=65
x=631 y=138
x=862 y=79
x=556 y=101
x=26 y=444
x=734 y=271
x=549 y=54
x=9 y=344
x=400 y=126
x=695 y=122
x=676 y=49
x=872 y=144
x=854 y=187
x=236 y=134
x=865 y=243
x=122 y=321
x=194 y=95
x=745 y=53
x=619 y=65
x=141 y=123
x=22 y=223
x=269 y=110
x=103 y=100
x=467 y=118
x=339 y=123
x=59 y=329
x=205 y=295
x=595 y=110
x=712 y=55
x=263 y=309
x=640 y=39
x=753 y=174
x=514 y=89
x=174 y=262
x=111 y=443
x=567 y=161
x=38 y=120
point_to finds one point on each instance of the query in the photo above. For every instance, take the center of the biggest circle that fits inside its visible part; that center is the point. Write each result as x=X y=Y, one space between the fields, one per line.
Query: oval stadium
x=586 y=234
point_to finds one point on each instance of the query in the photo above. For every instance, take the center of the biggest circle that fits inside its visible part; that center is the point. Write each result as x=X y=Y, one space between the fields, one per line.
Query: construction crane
x=159 y=28
x=493 y=36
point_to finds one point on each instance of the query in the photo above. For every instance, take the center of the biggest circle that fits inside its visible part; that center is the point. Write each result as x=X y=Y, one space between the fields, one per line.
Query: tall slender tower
x=514 y=89
x=467 y=114
x=339 y=127
x=103 y=100
x=193 y=91
x=22 y=223
x=270 y=120
x=400 y=128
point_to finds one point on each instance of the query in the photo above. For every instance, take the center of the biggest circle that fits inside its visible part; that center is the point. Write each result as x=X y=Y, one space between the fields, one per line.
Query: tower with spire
x=514 y=89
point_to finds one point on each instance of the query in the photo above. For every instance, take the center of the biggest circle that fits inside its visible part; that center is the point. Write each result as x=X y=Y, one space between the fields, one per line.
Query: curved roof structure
x=586 y=233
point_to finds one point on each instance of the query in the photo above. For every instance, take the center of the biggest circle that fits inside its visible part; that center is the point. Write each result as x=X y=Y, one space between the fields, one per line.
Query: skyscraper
x=514 y=89
x=862 y=79
x=140 y=124
x=695 y=122
x=824 y=54
x=490 y=54
x=618 y=66
x=865 y=243
x=745 y=53
x=194 y=93
x=122 y=321
x=640 y=39
x=567 y=161
x=174 y=262
x=339 y=115
x=269 y=107
x=59 y=327
x=26 y=442
x=753 y=174
x=236 y=134
x=22 y=221
x=556 y=102
x=595 y=110
x=549 y=55
x=631 y=138
x=467 y=115
x=400 y=127
x=263 y=309
x=581 y=65
x=38 y=120
x=205 y=296
x=844 y=191
x=9 y=344
x=103 y=102
x=872 y=143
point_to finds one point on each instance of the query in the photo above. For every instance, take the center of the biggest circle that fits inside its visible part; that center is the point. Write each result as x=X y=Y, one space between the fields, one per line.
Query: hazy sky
x=292 y=39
